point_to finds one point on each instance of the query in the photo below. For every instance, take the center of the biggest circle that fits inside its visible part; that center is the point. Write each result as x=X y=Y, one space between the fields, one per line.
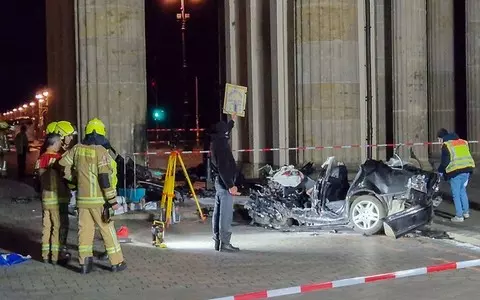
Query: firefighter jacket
x=53 y=186
x=90 y=167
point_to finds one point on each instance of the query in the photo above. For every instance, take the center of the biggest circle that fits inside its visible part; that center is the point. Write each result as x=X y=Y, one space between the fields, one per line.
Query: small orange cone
x=122 y=235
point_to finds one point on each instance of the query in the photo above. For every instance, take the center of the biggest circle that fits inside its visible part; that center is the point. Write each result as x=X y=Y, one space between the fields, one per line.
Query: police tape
x=328 y=285
x=174 y=129
x=299 y=148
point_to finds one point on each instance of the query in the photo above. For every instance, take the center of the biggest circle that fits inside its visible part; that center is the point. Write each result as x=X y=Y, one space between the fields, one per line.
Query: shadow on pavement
x=444 y=214
x=19 y=240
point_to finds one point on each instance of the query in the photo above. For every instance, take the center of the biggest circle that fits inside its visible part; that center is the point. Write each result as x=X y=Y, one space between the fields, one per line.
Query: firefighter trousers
x=87 y=219
x=55 y=231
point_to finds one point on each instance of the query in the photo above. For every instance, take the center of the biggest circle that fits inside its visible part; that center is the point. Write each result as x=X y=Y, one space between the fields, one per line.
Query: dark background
x=23 y=66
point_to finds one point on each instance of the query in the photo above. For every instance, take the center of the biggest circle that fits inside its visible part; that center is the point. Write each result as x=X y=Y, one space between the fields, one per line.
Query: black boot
x=64 y=258
x=228 y=248
x=120 y=267
x=103 y=256
x=217 y=244
x=87 y=265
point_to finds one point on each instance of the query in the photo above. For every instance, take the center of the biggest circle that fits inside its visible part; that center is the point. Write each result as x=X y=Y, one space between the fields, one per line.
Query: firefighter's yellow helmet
x=51 y=128
x=64 y=128
x=97 y=126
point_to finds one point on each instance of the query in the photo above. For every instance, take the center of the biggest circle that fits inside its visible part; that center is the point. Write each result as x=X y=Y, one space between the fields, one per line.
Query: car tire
x=377 y=208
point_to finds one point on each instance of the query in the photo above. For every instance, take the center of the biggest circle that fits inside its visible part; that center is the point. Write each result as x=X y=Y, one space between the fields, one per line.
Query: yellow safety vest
x=460 y=157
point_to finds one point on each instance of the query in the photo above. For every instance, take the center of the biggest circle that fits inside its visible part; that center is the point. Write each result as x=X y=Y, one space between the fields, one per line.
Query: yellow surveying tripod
x=166 y=204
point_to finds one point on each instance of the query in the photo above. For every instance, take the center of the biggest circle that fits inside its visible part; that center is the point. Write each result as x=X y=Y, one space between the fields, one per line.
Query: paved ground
x=189 y=269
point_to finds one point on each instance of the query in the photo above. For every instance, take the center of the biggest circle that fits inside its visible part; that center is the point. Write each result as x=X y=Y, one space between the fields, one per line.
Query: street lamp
x=183 y=17
x=42 y=98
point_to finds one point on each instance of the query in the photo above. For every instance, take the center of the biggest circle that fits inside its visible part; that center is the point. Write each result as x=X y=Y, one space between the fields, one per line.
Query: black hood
x=96 y=139
x=221 y=130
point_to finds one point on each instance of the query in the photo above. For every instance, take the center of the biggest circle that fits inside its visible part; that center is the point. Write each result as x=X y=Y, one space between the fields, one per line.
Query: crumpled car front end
x=422 y=190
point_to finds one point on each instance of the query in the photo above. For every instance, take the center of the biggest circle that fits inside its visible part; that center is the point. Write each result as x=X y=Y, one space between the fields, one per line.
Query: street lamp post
x=42 y=98
x=183 y=17
x=35 y=120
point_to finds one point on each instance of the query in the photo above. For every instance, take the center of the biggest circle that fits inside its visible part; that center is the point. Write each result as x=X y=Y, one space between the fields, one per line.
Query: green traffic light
x=159 y=114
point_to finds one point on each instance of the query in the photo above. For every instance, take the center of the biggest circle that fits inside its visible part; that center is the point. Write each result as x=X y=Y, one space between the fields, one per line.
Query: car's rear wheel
x=366 y=214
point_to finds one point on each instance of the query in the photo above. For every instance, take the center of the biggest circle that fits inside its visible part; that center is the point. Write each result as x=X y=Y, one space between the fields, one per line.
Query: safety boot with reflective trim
x=87 y=265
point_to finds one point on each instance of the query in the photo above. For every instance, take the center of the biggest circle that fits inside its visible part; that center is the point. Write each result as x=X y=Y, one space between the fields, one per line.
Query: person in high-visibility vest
x=55 y=197
x=456 y=167
x=90 y=164
x=67 y=131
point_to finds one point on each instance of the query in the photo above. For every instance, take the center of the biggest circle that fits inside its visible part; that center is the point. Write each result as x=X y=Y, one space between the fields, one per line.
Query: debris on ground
x=21 y=200
x=429 y=233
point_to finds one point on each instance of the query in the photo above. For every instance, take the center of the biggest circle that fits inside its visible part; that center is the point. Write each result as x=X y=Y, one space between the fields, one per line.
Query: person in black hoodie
x=457 y=165
x=224 y=170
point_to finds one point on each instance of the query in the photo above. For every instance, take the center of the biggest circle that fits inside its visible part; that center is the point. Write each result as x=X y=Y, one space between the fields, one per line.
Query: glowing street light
x=42 y=98
x=24 y=106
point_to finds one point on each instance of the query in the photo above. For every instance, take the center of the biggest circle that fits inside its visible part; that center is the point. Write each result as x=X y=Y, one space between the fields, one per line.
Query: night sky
x=23 y=60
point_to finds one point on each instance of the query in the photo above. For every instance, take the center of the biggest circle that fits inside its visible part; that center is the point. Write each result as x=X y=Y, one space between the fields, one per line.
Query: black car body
x=397 y=198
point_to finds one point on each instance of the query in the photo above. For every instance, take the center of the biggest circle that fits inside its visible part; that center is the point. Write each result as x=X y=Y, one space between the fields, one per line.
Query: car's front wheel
x=366 y=214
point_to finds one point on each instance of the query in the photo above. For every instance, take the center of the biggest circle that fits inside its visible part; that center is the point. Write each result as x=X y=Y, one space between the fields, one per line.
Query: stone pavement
x=460 y=285
x=190 y=269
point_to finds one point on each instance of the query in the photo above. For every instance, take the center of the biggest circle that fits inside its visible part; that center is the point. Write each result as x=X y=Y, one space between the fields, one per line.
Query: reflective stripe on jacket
x=460 y=156
x=54 y=188
x=84 y=164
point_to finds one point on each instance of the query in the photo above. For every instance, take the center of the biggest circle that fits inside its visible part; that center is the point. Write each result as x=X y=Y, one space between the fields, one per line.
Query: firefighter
x=91 y=165
x=55 y=198
x=67 y=131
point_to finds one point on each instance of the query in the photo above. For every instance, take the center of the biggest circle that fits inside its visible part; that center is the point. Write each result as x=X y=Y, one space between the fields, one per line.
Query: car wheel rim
x=365 y=215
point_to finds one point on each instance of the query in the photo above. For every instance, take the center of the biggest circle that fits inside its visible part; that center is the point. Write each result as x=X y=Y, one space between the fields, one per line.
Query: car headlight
x=418 y=182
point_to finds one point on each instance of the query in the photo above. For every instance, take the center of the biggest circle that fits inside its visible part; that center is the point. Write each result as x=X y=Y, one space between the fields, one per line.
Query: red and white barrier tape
x=302 y=148
x=307 y=288
x=173 y=129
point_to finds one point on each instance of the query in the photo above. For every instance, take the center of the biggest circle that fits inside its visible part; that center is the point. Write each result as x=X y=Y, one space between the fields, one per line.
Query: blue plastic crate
x=132 y=195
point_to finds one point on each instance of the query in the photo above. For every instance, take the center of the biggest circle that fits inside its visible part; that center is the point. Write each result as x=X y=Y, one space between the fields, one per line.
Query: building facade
x=318 y=72
x=353 y=72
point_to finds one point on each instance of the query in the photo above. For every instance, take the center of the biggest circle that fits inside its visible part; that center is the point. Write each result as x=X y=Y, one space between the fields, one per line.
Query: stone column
x=441 y=77
x=258 y=79
x=380 y=134
x=232 y=61
x=111 y=71
x=327 y=79
x=60 y=25
x=473 y=72
x=410 y=105
x=280 y=79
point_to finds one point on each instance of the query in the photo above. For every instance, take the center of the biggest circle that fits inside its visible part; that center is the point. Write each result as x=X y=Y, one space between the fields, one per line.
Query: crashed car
x=394 y=196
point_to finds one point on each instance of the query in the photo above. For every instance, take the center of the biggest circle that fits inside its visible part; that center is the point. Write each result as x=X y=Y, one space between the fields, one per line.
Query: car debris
x=395 y=196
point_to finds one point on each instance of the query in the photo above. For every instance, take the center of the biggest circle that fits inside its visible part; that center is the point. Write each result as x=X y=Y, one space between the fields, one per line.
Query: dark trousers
x=222 y=214
x=21 y=164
